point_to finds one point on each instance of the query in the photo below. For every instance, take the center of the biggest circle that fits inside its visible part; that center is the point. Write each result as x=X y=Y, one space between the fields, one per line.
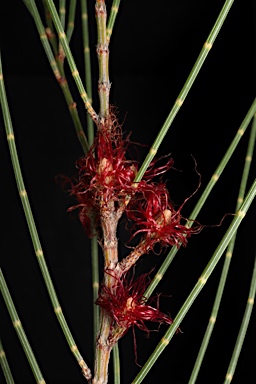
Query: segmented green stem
x=186 y=88
x=61 y=80
x=112 y=18
x=20 y=331
x=71 y=19
x=215 y=177
x=33 y=231
x=62 y=12
x=87 y=62
x=50 y=31
x=90 y=133
x=103 y=56
x=243 y=329
x=5 y=366
x=71 y=62
x=199 y=285
x=226 y=265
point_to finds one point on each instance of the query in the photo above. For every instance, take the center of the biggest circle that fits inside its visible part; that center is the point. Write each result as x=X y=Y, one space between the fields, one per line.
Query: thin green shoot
x=33 y=230
x=186 y=88
x=199 y=285
x=5 y=366
x=215 y=177
x=227 y=261
x=20 y=331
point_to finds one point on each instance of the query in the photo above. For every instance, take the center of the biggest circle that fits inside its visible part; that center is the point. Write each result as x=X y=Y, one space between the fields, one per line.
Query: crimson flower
x=105 y=175
x=153 y=215
x=126 y=306
x=106 y=181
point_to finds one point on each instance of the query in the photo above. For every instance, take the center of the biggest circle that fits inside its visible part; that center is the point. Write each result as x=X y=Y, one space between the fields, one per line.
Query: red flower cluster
x=106 y=176
x=125 y=304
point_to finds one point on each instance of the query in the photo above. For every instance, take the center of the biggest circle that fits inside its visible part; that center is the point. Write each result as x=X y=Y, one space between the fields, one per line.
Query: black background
x=153 y=48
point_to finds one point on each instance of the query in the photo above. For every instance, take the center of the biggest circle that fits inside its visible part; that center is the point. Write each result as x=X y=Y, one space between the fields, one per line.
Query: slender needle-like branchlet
x=20 y=331
x=243 y=328
x=90 y=134
x=63 y=41
x=71 y=19
x=199 y=285
x=50 y=30
x=62 y=12
x=5 y=366
x=215 y=177
x=112 y=18
x=186 y=88
x=33 y=230
x=60 y=77
x=227 y=261
x=87 y=64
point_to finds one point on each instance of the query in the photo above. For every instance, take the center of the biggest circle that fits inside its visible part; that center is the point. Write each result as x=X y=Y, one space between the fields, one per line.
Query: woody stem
x=103 y=57
x=104 y=347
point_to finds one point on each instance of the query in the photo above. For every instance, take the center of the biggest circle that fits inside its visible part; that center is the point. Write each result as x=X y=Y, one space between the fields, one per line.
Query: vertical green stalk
x=243 y=329
x=186 y=88
x=116 y=364
x=90 y=133
x=20 y=331
x=50 y=27
x=33 y=231
x=103 y=57
x=112 y=18
x=226 y=265
x=87 y=62
x=199 y=285
x=215 y=177
x=62 y=12
x=71 y=19
x=5 y=366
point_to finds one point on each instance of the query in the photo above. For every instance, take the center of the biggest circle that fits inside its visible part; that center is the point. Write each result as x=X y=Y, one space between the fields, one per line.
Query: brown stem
x=103 y=350
x=125 y=264
x=104 y=346
x=103 y=58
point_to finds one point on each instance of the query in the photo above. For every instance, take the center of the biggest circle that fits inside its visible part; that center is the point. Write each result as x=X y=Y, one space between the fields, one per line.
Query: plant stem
x=59 y=77
x=71 y=19
x=87 y=62
x=33 y=231
x=50 y=27
x=215 y=177
x=199 y=285
x=95 y=285
x=5 y=366
x=112 y=18
x=103 y=57
x=103 y=347
x=186 y=88
x=62 y=12
x=116 y=364
x=226 y=265
x=20 y=331
x=71 y=62
x=243 y=329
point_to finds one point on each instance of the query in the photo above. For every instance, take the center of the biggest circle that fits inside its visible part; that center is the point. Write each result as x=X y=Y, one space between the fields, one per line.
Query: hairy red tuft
x=125 y=304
